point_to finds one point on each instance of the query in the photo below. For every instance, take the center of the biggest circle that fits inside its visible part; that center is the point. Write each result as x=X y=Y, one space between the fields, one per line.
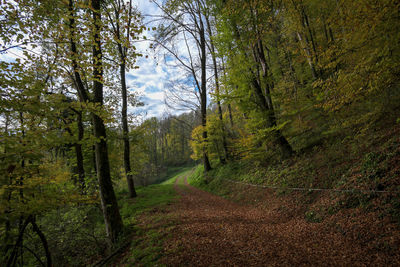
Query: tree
x=185 y=19
x=30 y=182
x=109 y=203
x=245 y=32
x=125 y=25
x=213 y=51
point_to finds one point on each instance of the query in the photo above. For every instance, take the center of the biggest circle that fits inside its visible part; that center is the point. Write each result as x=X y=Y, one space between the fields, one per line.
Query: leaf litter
x=213 y=231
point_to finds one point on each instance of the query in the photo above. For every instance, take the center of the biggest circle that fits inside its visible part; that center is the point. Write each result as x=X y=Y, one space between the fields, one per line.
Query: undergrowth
x=341 y=165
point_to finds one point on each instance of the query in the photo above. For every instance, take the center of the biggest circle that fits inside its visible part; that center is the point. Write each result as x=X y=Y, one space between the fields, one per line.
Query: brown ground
x=212 y=231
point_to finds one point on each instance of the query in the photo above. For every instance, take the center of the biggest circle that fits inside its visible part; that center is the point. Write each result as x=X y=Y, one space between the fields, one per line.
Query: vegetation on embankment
x=368 y=212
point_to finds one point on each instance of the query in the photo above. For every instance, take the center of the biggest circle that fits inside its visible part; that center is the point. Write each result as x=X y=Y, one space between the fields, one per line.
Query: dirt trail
x=212 y=231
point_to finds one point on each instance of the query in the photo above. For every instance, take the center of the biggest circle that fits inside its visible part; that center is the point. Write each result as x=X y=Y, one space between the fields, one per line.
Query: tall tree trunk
x=203 y=92
x=123 y=50
x=306 y=49
x=43 y=240
x=307 y=25
x=14 y=254
x=155 y=157
x=7 y=196
x=182 y=142
x=94 y=159
x=82 y=91
x=162 y=144
x=229 y=105
x=125 y=133
x=270 y=111
x=206 y=162
x=112 y=217
x=19 y=243
x=230 y=114
x=79 y=171
x=79 y=154
x=304 y=41
x=264 y=96
x=94 y=153
x=214 y=59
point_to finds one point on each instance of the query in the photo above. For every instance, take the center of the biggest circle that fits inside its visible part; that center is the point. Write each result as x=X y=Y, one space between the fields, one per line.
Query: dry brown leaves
x=212 y=231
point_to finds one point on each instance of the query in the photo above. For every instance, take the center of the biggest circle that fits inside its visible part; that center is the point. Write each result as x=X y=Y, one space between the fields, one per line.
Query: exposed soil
x=212 y=231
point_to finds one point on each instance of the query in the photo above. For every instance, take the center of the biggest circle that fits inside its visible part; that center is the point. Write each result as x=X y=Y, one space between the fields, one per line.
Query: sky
x=153 y=74
x=156 y=72
x=149 y=79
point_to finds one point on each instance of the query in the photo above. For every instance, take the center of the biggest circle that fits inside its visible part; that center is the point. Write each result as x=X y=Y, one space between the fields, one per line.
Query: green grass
x=148 y=198
x=182 y=172
x=147 y=244
x=170 y=172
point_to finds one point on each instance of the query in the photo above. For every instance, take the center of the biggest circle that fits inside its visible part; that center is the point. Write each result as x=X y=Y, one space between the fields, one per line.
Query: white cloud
x=153 y=73
x=149 y=79
x=147 y=7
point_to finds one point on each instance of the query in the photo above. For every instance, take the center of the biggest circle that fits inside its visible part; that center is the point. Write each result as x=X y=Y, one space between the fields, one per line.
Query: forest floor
x=213 y=231
x=202 y=229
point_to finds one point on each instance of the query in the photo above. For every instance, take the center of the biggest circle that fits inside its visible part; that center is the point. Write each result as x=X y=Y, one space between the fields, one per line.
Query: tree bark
x=123 y=50
x=230 y=115
x=229 y=105
x=82 y=92
x=79 y=154
x=214 y=59
x=125 y=133
x=43 y=240
x=112 y=217
x=266 y=101
x=263 y=94
x=18 y=244
x=13 y=257
x=203 y=92
x=79 y=171
x=307 y=25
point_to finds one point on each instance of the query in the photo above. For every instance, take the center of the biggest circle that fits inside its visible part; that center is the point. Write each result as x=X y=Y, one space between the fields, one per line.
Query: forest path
x=212 y=231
